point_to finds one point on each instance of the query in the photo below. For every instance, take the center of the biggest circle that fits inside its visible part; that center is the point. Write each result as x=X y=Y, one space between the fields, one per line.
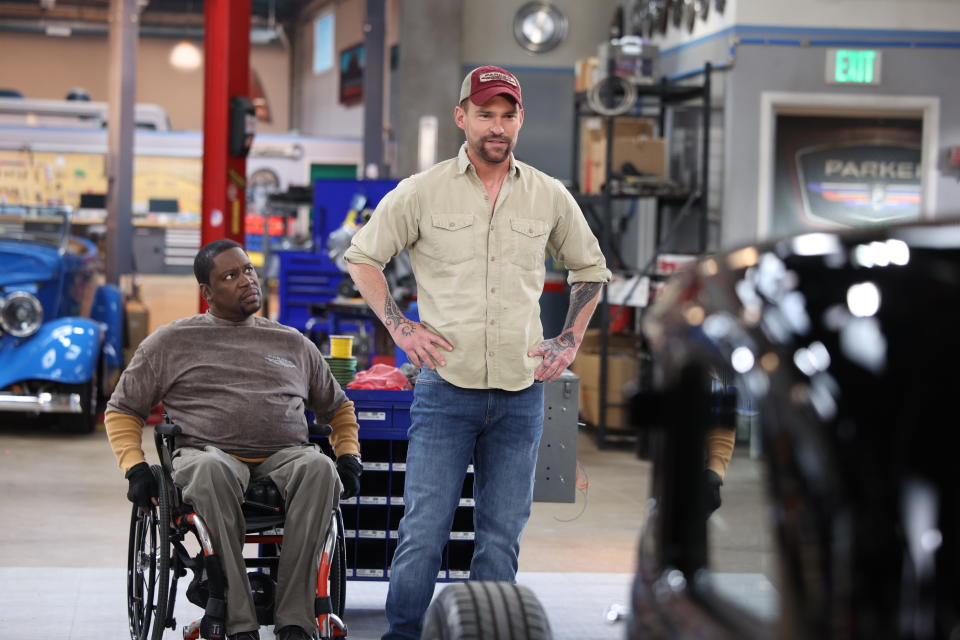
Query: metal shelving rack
x=665 y=94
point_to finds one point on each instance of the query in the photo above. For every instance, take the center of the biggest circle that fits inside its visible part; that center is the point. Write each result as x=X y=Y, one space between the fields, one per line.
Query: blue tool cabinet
x=371 y=519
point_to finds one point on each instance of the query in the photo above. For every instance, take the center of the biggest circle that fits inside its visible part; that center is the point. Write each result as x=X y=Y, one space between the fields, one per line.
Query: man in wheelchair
x=238 y=386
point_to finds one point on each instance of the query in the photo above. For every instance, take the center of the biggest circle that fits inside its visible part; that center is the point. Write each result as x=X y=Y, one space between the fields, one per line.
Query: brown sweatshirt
x=239 y=386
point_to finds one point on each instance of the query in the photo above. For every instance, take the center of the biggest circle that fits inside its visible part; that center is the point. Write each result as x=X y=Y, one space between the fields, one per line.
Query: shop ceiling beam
x=122 y=85
x=226 y=79
x=62 y=12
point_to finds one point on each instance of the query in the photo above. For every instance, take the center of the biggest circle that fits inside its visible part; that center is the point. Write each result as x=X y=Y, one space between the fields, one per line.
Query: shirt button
x=492 y=322
x=493 y=258
x=493 y=289
x=451 y=225
x=528 y=230
x=490 y=353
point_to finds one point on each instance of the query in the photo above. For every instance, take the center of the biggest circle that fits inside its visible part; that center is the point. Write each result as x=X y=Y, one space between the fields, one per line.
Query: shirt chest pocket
x=450 y=237
x=528 y=238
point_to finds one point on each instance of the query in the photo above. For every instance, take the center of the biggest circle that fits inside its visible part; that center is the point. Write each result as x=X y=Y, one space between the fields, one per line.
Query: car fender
x=65 y=350
x=108 y=309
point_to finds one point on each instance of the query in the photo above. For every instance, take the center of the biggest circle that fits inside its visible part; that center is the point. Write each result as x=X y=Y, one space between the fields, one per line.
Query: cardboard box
x=623 y=369
x=633 y=142
x=585 y=73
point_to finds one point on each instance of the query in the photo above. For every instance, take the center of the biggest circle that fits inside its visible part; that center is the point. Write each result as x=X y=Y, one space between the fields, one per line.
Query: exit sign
x=853 y=66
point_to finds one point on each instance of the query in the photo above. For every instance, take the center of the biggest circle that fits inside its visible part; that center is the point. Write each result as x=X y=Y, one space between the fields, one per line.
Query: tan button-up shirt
x=480 y=265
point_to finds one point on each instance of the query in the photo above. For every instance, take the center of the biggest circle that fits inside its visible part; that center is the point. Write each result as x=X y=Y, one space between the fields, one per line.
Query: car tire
x=86 y=420
x=483 y=610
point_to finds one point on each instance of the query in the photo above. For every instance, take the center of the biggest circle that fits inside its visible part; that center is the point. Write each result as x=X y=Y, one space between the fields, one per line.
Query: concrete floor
x=63 y=545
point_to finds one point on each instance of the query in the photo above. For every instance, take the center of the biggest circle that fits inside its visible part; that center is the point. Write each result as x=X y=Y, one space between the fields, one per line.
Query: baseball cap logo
x=483 y=83
x=493 y=76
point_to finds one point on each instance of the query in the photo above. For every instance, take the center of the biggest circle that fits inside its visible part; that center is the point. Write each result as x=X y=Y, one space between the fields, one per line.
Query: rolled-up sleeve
x=574 y=244
x=392 y=228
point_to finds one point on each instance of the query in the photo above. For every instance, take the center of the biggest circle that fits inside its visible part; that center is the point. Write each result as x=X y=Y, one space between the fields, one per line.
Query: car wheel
x=482 y=610
x=86 y=420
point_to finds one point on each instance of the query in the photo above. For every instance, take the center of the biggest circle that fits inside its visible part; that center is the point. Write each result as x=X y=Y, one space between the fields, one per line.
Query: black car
x=845 y=345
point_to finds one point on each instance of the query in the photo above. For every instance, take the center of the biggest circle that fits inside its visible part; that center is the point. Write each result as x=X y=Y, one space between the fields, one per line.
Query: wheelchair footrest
x=337 y=627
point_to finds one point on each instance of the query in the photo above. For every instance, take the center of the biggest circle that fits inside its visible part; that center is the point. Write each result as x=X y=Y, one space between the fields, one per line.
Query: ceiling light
x=186 y=56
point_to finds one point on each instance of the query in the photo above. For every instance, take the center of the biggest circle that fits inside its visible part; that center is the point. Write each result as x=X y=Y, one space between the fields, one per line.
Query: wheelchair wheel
x=481 y=610
x=148 y=565
x=338 y=570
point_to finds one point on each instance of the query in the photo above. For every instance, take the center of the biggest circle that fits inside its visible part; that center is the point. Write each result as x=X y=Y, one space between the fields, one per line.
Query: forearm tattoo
x=394 y=320
x=580 y=295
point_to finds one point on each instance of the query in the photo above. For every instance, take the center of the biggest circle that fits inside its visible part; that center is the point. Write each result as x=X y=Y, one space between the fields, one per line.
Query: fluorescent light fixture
x=59 y=31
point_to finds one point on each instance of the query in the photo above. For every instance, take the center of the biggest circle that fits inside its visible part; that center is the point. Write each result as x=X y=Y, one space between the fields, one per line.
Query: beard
x=250 y=308
x=493 y=156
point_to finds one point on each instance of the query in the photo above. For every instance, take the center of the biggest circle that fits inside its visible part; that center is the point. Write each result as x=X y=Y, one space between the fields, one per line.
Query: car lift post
x=226 y=76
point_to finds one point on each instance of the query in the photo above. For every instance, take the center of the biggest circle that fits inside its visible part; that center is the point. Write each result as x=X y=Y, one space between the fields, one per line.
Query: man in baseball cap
x=477 y=228
x=483 y=83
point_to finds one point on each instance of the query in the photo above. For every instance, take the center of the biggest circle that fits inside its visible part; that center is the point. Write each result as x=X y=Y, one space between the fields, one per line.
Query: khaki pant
x=214 y=482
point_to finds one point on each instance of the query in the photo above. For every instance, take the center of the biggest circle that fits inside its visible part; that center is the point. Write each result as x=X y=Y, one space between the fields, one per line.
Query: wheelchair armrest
x=320 y=429
x=168 y=429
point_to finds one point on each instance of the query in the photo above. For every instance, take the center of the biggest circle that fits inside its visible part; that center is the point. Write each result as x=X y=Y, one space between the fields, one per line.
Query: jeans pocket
x=428 y=376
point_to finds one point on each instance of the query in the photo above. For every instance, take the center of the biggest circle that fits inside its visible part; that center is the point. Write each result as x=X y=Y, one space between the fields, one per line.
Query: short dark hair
x=203 y=263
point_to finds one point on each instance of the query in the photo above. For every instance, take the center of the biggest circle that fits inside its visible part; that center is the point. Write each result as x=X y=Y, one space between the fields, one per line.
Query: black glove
x=349 y=469
x=711 y=491
x=143 y=486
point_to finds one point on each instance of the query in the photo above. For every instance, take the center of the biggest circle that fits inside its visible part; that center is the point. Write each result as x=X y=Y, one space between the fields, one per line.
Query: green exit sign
x=853 y=66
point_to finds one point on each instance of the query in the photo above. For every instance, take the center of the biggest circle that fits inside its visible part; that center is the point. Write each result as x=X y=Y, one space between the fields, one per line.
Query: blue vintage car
x=61 y=329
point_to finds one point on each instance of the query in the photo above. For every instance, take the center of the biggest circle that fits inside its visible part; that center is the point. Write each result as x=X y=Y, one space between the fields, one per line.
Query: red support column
x=226 y=75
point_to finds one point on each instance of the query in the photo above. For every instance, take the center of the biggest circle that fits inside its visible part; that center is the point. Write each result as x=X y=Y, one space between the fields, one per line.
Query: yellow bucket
x=341 y=346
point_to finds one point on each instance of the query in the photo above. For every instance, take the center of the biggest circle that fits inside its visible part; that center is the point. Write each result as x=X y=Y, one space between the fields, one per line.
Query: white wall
x=488 y=33
x=714 y=23
x=48 y=67
x=937 y=15
x=317 y=109
x=911 y=15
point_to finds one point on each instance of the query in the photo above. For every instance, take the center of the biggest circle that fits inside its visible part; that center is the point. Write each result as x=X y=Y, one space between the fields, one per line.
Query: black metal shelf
x=666 y=92
x=666 y=194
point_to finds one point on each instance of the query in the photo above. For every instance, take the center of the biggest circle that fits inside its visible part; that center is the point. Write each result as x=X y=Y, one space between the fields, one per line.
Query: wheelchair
x=157 y=556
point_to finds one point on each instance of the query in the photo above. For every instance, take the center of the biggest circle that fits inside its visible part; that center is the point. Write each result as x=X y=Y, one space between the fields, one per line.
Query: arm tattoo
x=580 y=294
x=393 y=319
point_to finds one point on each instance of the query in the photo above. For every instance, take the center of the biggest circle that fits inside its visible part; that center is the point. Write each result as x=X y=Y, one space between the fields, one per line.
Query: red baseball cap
x=483 y=83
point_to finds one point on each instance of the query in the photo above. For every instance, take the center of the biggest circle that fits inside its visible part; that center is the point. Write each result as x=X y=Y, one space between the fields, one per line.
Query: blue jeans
x=500 y=431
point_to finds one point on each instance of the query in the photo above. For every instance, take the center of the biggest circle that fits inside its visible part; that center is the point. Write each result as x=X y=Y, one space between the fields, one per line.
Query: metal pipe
x=705 y=163
x=122 y=82
x=373 y=165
